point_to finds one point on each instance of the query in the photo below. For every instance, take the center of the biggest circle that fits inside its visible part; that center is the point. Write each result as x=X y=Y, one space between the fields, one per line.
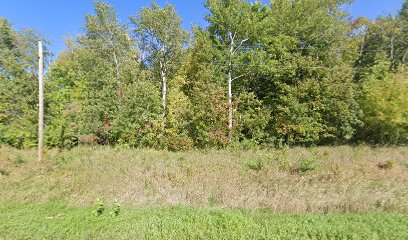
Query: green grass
x=59 y=221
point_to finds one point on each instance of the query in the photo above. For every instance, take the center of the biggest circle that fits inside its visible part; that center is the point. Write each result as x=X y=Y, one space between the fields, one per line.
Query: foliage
x=254 y=164
x=207 y=118
x=288 y=72
x=162 y=40
x=18 y=85
x=98 y=87
x=306 y=77
x=384 y=104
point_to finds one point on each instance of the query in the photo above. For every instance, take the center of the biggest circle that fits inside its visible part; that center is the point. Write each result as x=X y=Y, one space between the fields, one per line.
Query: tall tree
x=232 y=28
x=162 y=39
x=306 y=75
x=18 y=85
x=98 y=88
x=110 y=39
x=205 y=88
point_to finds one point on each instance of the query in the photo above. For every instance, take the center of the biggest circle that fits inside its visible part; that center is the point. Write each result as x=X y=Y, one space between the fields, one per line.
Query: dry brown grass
x=341 y=179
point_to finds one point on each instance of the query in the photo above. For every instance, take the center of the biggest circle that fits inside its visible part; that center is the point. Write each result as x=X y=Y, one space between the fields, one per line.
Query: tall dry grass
x=321 y=179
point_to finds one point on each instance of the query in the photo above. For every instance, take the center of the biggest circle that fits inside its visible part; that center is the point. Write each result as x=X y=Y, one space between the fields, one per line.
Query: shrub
x=307 y=164
x=255 y=164
x=174 y=142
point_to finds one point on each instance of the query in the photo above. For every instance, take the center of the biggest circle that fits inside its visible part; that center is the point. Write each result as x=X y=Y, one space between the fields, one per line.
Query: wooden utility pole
x=40 y=102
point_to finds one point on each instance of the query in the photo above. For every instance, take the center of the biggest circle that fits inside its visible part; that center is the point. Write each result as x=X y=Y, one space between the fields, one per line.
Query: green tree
x=18 y=85
x=162 y=40
x=208 y=115
x=384 y=104
x=99 y=88
x=232 y=25
x=305 y=77
x=382 y=77
x=64 y=90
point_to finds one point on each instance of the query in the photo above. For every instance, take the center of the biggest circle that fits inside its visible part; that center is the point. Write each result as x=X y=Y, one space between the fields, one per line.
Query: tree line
x=291 y=72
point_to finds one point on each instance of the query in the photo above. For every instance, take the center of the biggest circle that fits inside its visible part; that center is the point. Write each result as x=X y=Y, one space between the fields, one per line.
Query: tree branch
x=242 y=42
x=240 y=76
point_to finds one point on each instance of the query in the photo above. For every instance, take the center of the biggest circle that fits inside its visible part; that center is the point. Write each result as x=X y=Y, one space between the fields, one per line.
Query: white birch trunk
x=230 y=105
x=230 y=101
x=232 y=50
x=164 y=93
x=115 y=59
x=392 y=51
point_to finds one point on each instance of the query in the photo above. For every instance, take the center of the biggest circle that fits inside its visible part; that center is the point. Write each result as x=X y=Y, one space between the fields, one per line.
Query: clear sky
x=59 y=18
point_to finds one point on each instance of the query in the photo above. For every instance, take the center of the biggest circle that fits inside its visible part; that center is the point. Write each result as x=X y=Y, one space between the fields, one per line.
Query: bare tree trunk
x=232 y=51
x=115 y=59
x=230 y=102
x=164 y=93
x=362 y=46
x=230 y=105
x=392 y=52
x=404 y=58
x=40 y=102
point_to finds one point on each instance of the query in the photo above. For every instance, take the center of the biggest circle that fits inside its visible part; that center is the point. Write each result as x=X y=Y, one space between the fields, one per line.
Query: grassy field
x=57 y=221
x=298 y=193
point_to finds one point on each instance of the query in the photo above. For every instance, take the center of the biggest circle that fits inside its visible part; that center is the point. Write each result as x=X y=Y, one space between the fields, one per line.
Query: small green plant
x=307 y=164
x=99 y=208
x=18 y=161
x=255 y=164
x=116 y=210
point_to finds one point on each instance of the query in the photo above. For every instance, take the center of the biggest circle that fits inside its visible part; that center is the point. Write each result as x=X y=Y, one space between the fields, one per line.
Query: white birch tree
x=162 y=40
x=232 y=24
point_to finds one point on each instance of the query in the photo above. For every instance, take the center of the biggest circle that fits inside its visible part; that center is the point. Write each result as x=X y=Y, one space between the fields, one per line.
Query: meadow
x=295 y=193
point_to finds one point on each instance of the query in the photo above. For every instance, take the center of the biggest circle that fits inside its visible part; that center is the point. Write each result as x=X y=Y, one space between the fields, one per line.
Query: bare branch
x=240 y=76
x=242 y=42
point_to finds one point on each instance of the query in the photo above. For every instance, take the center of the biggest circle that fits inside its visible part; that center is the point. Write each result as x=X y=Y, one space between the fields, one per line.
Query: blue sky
x=59 y=18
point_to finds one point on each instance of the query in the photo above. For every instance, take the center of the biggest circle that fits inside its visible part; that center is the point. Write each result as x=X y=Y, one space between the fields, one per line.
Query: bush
x=175 y=142
x=307 y=164
x=255 y=164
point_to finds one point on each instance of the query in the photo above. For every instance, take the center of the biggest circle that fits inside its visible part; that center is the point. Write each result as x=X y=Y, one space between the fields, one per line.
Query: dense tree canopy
x=18 y=85
x=297 y=72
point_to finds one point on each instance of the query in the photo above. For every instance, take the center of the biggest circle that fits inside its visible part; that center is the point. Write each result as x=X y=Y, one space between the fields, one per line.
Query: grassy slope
x=55 y=199
x=57 y=221
x=345 y=179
